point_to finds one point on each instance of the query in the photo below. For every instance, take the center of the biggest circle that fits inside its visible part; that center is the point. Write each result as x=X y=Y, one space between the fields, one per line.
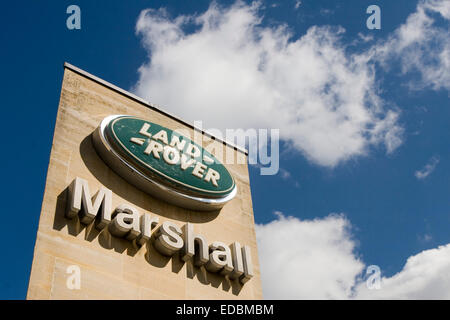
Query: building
x=113 y=226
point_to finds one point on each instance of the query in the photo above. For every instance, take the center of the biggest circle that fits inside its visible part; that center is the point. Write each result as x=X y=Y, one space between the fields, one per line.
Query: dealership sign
x=164 y=163
x=170 y=166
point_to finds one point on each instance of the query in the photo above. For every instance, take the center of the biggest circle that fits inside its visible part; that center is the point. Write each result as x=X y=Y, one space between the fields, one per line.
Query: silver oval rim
x=127 y=171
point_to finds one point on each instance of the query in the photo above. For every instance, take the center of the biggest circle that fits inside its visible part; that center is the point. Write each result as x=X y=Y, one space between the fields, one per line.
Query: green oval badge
x=164 y=163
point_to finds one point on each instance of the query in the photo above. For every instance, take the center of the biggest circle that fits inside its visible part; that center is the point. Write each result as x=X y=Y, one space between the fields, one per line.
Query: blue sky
x=392 y=211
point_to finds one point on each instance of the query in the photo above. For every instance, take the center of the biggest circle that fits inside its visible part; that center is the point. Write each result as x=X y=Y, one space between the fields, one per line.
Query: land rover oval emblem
x=164 y=163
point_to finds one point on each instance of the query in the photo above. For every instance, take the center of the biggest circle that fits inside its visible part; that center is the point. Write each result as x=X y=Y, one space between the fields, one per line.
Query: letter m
x=81 y=203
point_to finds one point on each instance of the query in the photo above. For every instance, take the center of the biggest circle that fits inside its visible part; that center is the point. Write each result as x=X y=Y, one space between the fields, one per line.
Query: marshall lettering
x=127 y=222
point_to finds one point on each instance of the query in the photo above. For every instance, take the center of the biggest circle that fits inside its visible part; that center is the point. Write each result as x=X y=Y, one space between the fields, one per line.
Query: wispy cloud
x=285 y=175
x=326 y=12
x=420 y=45
x=428 y=169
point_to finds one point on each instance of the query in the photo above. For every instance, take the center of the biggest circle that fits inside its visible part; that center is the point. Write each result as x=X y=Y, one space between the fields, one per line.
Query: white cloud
x=307 y=259
x=365 y=37
x=287 y=176
x=297 y=4
x=421 y=45
x=233 y=73
x=428 y=169
x=424 y=276
x=316 y=259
